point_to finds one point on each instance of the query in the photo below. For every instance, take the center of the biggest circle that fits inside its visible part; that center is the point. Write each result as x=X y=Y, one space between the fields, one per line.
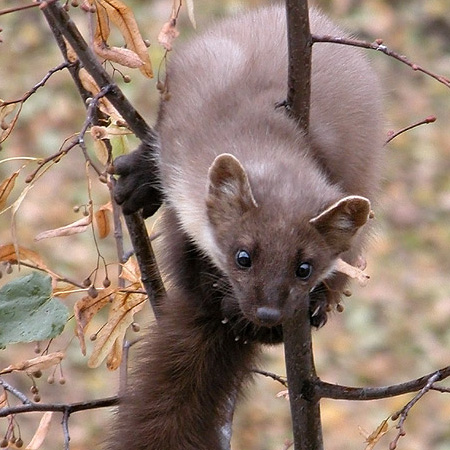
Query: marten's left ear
x=340 y=222
x=229 y=192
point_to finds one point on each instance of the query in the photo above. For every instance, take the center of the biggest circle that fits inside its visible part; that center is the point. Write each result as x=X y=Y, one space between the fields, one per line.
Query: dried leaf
x=120 y=55
x=85 y=309
x=190 y=8
x=3 y=399
x=104 y=104
x=168 y=34
x=121 y=316
x=6 y=186
x=41 y=432
x=102 y=220
x=114 y=357
x=353 y=272
x=6 y=110
x=131 y=272
x=76 y=227
x=375 y=436
x=101 y=151
x=122 y=16
x=33 y=365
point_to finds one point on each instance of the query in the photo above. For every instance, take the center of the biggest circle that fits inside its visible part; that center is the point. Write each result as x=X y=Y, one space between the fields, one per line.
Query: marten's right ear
x=229 y=192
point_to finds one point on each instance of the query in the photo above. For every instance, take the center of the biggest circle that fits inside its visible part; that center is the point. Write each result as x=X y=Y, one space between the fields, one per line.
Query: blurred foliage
x=395 y=329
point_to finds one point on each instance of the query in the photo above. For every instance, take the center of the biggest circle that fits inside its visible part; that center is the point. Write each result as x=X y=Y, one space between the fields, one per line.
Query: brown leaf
x=352 y=272
x=104 y=104
x=6 y=110
x=102 y=220
x=122 y=16
x=376 y=435
x=3 y=399
x=76 y=227
x=10 y=253
x=131 y=272
x=168 y=34
x=85 y=309
x=120 y=55
x=121 y=316
x=41 y=432
x=6 y=186
x=33 y=365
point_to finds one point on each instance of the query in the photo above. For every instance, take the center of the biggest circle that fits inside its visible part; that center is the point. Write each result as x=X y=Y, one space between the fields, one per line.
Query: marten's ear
x=229 y=192
x=340 y=222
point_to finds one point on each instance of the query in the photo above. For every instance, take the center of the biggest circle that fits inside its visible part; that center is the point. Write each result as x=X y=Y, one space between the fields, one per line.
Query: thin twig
x=274 y=376
x=44 y=80
x=405 y=410
x=11 y=389
x=17 y=9
x=379 y=46
x=59 y=407
x=392 y=135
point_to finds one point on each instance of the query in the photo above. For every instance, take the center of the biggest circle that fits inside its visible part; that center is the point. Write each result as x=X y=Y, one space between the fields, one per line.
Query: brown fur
x=237 y=174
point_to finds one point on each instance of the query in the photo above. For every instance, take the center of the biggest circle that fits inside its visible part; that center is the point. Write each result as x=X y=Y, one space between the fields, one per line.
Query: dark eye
x=304 y=271
x=243 y=259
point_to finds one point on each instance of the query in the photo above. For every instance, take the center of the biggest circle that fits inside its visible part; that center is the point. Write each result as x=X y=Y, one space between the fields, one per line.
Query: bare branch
x=405 y=410
x=66 y=408
x=379 y=46
x=299 y=65
x=429 y=119
x=337 y=392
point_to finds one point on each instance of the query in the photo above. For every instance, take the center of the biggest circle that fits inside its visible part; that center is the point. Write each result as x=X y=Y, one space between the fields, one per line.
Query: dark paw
x=137 y=186
x=318 y=306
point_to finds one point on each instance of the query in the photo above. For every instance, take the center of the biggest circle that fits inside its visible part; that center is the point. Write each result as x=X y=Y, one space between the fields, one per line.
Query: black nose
x=268 y=316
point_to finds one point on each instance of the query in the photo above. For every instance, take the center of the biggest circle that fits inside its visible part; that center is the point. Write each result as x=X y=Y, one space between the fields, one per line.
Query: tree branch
x=61 y=25
x=379 y=46
x=299 y=65
x=301 y=374
x=337 y=392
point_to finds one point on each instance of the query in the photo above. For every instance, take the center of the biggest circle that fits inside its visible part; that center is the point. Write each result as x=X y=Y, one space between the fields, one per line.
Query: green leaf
x=28 y=312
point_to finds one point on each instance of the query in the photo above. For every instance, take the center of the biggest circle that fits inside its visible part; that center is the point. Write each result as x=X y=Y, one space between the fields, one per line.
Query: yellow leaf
x=121 y=315
x=131 y=272
x=101 y=151
x=102 y=220
x=3 y=399
x=41 y=432
x=85 y=309
x=33 y=365
x=122 y=16
x=11 y=253
x=6 y=186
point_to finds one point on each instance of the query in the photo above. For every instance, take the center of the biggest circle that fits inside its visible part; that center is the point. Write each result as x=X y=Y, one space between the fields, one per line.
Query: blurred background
x=395 y=329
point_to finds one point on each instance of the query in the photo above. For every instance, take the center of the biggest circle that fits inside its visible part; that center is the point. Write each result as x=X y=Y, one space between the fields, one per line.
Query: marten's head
x=275 y=255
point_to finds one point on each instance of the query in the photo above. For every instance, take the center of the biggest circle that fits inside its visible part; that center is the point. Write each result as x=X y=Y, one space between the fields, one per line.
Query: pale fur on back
x=224 y=86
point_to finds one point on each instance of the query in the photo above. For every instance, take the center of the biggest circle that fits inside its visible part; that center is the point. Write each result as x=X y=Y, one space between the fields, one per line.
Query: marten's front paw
x=137 y=186
x=318 y=306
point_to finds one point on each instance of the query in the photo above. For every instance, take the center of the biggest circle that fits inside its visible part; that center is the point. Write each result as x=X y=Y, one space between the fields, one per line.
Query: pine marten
x=255 y=215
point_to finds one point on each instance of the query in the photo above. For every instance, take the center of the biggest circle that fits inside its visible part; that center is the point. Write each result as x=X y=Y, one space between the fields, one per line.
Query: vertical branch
x=299 y=65
x=302 y=381
x=301 y=374
x=61 y=25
